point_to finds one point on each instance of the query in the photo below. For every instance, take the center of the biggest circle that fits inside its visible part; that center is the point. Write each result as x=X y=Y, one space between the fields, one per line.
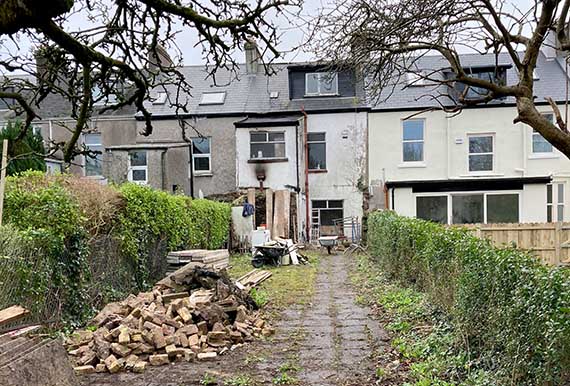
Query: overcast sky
x=292 y=34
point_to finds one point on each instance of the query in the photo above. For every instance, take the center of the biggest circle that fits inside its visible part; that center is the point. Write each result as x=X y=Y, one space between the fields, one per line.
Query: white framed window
x=555 y=202
x=321 y=83
x=93 y=162
x=469 y=207
x=213 y=98
x=138 y=167
x=413 y=140
x=267 y=144
x=317 y=147
x=481 y=155
x=539 y=144
x=201 y=155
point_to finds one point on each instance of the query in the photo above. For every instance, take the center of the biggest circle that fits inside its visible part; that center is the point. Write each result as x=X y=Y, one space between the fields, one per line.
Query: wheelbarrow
x=328 y=242
x=268 y=254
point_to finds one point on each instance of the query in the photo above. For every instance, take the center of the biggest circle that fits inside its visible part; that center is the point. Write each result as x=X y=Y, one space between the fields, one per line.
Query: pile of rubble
x=192 y=314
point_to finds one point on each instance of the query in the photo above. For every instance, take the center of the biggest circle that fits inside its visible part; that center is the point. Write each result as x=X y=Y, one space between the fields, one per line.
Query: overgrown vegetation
x=27 y=153
x=425 y=350
x=508 y=313
x=72 y=245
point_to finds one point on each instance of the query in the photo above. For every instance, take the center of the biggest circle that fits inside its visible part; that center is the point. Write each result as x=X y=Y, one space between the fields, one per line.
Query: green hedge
x=71 y=244
x=511 y=312
x=177 y=221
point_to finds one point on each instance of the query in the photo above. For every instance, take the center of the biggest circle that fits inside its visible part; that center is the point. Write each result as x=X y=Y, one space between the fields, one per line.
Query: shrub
x=511 y=312
x=73 y=245
x=25 y=154
x=154 y=221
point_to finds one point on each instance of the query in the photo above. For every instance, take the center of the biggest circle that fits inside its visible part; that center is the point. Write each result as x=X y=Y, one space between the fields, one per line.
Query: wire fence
x=27 y=276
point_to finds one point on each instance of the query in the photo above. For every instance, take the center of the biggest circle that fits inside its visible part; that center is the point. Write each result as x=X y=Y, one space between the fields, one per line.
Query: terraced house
x=473 y=167
x=247 y=129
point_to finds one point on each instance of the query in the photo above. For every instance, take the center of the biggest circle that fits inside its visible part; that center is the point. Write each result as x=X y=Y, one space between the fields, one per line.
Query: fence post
x=4 y=166
x=557 y=246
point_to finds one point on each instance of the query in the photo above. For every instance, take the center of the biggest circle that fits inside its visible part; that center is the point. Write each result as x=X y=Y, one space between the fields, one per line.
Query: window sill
x=266 y=160
x=412 y=165
x=543 y=156
x=321 y=95
x=482 y=174
x=317 y=171
x=203 y=174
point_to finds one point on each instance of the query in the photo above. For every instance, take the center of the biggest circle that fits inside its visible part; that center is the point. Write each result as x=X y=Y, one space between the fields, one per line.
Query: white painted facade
x=346 y=161
x=345 y=137
x=446 y=157
x=279 y=174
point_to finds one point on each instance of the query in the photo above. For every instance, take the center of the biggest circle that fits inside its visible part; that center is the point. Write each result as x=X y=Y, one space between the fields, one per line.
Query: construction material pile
x=192 y=314
x=214 y=259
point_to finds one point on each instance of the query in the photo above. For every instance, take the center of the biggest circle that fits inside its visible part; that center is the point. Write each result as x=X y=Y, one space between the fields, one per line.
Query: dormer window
x=213 y=98
x=497 y=75
x=321 y=84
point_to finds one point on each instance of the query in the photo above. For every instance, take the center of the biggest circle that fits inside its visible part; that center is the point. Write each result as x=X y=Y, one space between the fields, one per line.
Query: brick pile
x=191 y=315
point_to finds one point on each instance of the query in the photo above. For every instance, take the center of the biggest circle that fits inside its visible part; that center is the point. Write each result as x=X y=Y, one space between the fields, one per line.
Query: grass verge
x=290 y=284
x=424 y=350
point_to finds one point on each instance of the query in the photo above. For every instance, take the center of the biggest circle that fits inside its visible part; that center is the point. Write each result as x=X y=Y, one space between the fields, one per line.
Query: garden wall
x=510 y=312
x=70 y=245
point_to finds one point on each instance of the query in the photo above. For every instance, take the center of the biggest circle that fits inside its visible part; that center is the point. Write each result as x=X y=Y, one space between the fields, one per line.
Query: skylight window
x=213 y=98
x=415 y=79
x=160 y=98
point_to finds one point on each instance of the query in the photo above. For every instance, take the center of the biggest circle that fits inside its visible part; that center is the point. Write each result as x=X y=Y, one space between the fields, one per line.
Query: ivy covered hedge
x=510 y=313
x=71 y=245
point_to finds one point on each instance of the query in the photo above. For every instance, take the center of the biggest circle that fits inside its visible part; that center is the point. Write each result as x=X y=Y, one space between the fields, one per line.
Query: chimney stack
x=252 y=56
x=159 y=58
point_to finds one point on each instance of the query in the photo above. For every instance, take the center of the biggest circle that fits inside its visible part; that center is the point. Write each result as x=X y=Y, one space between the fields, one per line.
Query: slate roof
x=250 y=94
x=550 y=82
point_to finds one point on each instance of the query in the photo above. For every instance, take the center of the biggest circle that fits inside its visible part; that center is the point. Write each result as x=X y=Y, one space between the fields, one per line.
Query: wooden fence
x=548 y=241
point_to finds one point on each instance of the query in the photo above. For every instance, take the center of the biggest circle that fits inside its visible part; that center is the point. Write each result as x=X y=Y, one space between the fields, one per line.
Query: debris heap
x=192 y=314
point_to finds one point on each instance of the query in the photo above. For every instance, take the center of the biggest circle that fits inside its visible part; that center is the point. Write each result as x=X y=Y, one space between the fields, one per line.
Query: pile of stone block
x=194 y=314
x=214 y=259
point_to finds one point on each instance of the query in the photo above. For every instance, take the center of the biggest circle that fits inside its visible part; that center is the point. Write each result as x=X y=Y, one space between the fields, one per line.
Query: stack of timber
x=252 y=279
x=213 y=259
x=193 y=314
x=31 y=361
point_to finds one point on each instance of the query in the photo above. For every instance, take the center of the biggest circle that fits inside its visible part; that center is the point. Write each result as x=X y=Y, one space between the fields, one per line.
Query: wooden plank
x=251 y=200
x=12 y=314
x=281 y=208
x=269 y=210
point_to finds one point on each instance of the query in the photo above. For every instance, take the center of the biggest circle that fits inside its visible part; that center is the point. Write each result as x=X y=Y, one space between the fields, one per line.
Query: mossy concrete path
x=341 y=337
x=330 y=340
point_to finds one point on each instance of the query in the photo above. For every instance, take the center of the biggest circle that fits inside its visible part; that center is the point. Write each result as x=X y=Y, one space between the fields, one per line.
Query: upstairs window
x=138 y=167
x=267 y=144
x=321 y=84
x=413 y=140
x=490 y=74
x=317 y=151
x=93 y=162
x=481 y=153
x=201 y=156
x=213 y=98
x=539 y=144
